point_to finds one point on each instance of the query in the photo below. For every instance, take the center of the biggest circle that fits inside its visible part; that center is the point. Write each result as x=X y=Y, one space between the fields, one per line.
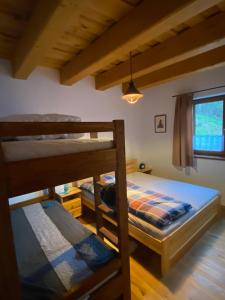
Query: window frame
x=205 y=153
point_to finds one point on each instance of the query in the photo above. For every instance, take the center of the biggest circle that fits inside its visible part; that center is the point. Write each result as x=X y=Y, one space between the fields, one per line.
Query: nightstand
x=146 y=170
x=71 y=201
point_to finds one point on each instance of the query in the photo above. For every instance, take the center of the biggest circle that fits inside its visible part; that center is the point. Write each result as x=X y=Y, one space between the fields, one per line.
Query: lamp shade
x=132 y=95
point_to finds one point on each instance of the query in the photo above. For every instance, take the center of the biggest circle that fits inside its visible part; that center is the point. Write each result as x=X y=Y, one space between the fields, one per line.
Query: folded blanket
x=153 y=207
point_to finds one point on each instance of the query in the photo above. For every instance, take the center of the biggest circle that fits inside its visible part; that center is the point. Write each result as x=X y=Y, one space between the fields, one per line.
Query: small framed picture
x=160 y=123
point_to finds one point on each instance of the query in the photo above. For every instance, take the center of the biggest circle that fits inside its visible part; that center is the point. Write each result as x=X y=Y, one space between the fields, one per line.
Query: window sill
x=209 y=157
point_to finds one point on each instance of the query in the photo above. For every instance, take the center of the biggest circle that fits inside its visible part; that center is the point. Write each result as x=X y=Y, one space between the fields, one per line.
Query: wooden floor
x=200 y=275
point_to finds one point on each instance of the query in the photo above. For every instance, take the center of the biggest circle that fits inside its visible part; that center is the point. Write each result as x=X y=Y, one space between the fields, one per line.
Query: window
x=209 y=125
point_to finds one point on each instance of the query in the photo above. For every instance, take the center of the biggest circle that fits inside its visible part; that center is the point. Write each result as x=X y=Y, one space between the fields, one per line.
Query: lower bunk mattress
x=195 y=195
x=54 y=251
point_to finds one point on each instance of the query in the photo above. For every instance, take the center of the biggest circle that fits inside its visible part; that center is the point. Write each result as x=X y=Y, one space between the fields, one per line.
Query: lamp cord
x=131 y=71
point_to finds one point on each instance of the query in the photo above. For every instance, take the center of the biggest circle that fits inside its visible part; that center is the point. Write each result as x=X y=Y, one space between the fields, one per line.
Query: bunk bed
x=18 y=177
x=172 y=243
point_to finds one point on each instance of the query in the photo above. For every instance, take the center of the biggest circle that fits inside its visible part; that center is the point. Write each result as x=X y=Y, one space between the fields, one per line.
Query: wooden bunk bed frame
x=176 y=244
x=21 y=177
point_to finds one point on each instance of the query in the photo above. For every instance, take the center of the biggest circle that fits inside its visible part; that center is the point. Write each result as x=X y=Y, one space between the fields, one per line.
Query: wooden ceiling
x=168 y=39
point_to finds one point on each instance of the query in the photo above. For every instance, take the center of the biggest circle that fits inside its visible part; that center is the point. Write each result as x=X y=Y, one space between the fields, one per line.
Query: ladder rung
x=105 y=209
x=101 y=183
x=109 y=235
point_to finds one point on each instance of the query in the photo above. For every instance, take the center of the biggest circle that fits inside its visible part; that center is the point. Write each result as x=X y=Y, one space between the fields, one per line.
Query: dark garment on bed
x=108 y=195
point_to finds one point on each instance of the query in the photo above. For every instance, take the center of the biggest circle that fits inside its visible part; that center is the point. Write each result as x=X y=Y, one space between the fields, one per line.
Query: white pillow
x=43 y=118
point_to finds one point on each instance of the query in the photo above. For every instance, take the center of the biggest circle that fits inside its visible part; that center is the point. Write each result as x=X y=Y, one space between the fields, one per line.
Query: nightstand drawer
x=76 y=212
x=72 y=204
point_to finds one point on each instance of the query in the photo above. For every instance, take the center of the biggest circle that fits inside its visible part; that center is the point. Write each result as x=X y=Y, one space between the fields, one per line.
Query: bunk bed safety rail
x=12 y=129
x=51 y=171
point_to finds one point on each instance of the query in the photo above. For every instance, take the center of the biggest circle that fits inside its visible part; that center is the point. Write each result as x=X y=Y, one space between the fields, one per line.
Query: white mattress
x=197 y=196
x=22 y=150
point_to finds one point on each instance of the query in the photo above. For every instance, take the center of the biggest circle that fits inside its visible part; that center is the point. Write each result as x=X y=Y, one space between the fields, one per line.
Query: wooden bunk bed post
x=14 y=181
x=9 y=279
x=51 y=192
x=93 y=135
x=122 y=205
x=98 y=214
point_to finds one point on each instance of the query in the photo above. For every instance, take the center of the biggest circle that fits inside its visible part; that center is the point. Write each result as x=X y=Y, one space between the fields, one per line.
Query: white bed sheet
x=22 y=150
x=197 y=196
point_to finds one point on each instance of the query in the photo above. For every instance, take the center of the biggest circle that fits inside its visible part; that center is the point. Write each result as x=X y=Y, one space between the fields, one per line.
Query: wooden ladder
x=101 y=209
x=120 y=239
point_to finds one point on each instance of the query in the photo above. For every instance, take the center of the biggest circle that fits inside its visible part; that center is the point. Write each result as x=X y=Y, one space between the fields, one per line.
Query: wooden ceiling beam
x=201 y=38
x=201 y=62
x=144 y=23
x=48 y=22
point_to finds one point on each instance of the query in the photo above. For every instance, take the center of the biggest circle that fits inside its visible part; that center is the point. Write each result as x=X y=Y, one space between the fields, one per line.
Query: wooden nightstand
x=146 y=170
x=71 y=201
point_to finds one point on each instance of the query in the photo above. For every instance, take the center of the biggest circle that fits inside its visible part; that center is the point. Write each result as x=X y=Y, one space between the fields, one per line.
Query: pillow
x=94 y=252
x=43 y=118
x=49 y=203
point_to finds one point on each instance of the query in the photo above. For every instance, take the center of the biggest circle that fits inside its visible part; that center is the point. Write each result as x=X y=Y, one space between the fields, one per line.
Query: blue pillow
x=49 y=203
x=94 y=252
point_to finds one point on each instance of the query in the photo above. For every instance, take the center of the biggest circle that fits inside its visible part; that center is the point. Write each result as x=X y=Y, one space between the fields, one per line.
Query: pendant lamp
x=132 y=95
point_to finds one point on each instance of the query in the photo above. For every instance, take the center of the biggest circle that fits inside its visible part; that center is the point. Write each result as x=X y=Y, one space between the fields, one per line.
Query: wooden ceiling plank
x=221 y=5
x=205 y=36
x=20 y=8
x=114 y=9
x=201 y=62
x=49 y=20
x=142 y=24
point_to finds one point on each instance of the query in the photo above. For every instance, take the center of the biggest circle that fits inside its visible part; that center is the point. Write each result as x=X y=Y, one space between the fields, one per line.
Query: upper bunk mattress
x=23 y=150
x=195 y=195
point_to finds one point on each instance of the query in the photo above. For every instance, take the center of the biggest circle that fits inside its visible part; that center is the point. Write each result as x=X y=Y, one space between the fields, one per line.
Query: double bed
x=172 y=241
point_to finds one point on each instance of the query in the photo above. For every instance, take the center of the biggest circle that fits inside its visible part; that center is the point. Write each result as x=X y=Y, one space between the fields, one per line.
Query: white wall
x=157 y=147
x=42 y=93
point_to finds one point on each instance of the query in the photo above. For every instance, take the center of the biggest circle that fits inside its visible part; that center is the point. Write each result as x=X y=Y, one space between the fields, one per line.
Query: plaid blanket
x=153 y=207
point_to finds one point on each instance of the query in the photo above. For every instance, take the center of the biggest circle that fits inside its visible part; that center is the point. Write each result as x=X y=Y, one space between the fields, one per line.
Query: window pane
x=209 y=126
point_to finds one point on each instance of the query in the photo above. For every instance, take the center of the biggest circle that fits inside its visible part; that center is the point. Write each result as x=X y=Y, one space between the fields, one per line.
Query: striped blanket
x=54 y=251
x=153 y=207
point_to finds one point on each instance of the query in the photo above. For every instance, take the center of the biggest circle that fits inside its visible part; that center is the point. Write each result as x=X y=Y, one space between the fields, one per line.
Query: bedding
x=54 y=251
x=153 y=207
x=196 y=196
x=43 y=118
x=22 y=150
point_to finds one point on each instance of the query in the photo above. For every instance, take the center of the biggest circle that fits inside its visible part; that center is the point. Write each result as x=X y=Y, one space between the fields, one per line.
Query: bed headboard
x=131 y=165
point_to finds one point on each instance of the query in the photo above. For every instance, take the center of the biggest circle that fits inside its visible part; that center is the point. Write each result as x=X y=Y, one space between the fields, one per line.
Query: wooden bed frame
x=177 y=243
x=21 y=177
